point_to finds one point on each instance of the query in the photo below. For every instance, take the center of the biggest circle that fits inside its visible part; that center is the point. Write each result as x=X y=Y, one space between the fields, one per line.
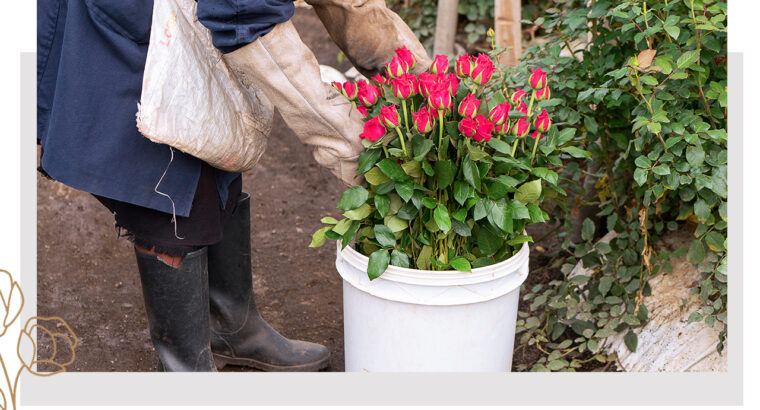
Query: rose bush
x=451 y=181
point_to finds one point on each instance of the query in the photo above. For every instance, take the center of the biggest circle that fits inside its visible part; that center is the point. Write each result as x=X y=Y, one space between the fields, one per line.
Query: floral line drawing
x=54 y=329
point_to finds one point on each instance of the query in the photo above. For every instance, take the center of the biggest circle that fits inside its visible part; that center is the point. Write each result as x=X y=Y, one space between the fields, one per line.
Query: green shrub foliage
x=644 y=84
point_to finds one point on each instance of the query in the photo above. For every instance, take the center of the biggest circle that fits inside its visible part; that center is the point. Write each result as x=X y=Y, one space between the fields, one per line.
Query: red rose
x=537 y=78
x=543 y=122
x=440 y=65
x=368 y=94
x=439 y=98
x=521 y=127
x=543 y=94
x=523 y=108
x=349 y=90
x=426 y=83
x=402 y=87
x=338 y=86
x=536 y=135
x=483 y=70
x=501 y=129
x=423 y=120
x=517 y=97
x=379 y=80
x=469 y=106
x=396 y=67
x=468 y=127
x=389 y=115
x=463 y=66
x=499 y=113
x=373 y=130
x=407 y=57
x=453 y=82
x=484 y=129
x=362 y=109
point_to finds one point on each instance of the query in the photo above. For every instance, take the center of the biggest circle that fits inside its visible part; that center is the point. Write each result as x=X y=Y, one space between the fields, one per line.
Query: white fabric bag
x=190 y=99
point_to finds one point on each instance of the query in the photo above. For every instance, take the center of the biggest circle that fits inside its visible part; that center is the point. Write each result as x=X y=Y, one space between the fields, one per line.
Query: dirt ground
x=89 y=277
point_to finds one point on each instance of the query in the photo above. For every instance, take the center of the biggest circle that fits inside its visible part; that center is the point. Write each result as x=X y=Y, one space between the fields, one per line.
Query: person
x=190 y=222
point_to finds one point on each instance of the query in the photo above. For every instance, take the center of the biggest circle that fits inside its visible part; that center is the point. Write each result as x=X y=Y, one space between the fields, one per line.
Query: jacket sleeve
x=236 y=23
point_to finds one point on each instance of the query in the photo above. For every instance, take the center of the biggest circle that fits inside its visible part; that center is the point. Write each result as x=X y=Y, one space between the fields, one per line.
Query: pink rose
x=463 y=66
x=517 y=97
x=402 y=87
x=373 y=130
x=407 y=57
x=396 y=67
x=469 y=106
x=499 y=113
x=543 y=122
x=426 y=83
x=349 y=90
x=363 y=110
x=423 y=121
x=439 y=98
x=521 y=127
x=338 y=86
x=389 y=116
x=537 y=78
x=379 y=80
x=483 y=70
x=368 y=94
x=484 y=129
x=543 y=94
x=440 y=65
x=468 y=127
x=453 y=82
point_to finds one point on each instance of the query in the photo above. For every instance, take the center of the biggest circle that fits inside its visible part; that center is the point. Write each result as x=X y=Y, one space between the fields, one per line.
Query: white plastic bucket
x=410 y=320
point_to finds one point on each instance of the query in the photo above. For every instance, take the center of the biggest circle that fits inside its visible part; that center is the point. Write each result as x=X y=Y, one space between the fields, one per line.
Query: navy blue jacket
x=90 y=61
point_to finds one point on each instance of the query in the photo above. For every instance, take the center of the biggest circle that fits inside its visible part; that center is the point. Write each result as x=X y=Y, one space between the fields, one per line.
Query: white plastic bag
x=190 y=99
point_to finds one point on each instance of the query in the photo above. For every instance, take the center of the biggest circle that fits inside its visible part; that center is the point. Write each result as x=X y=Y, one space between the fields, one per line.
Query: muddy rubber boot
x=239 y=335
x=176 y=302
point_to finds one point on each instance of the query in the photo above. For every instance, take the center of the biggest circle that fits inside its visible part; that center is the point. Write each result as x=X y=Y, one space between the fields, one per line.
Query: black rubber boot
x=176 y=301
x=239 y=335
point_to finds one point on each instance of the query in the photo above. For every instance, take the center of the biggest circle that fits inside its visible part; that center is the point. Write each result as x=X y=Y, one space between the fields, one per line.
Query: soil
x=88 y=276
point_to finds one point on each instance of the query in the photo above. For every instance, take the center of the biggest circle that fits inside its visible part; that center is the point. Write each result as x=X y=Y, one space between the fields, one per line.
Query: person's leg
x=239 y=335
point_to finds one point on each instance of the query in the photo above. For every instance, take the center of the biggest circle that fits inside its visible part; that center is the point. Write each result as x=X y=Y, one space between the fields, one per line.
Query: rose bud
x=407 y=57
x=440 y=65
x=501 y=129
x=517 y=97
x=426 y=83
x=412 y=80
x=537 y=78
x=368 y=94
x=523 y=108
x=463 y=66
x=468 y=127
x=349 y=90
x=453 y=82
x=362 y=109
x=483 y=70
x=389 y=116
x=536 y=135
x=543 y=122
x=439 y=98
x=499 y=113
x=469 y=106
x=521 y=127
x=543 y=94
x=402 y=87
x=373 y=130
x=422 y=120
x=396 y=67
x=338 y=86
x=379 y=80
x=484 y=129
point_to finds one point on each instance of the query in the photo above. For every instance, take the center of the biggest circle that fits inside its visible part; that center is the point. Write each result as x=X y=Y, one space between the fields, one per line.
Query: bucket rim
x=440 y=278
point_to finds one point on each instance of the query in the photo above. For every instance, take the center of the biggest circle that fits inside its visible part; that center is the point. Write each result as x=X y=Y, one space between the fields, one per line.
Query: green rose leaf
x=461 y=192
x=376 y=177
x=442 y=218
x=367 y=160
x=383 y=204
x=328 y=220
x=318 y=238
x=399 y=258
x=444 y=173
x=405 y=190
x=385 y=236
x=392 y=170
x=529 y=192
x=359 y=213
x=696 y=252
x=353 y=198
x=461 y=264
x=378 y=263
x=471 y=173
x=631 y=340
